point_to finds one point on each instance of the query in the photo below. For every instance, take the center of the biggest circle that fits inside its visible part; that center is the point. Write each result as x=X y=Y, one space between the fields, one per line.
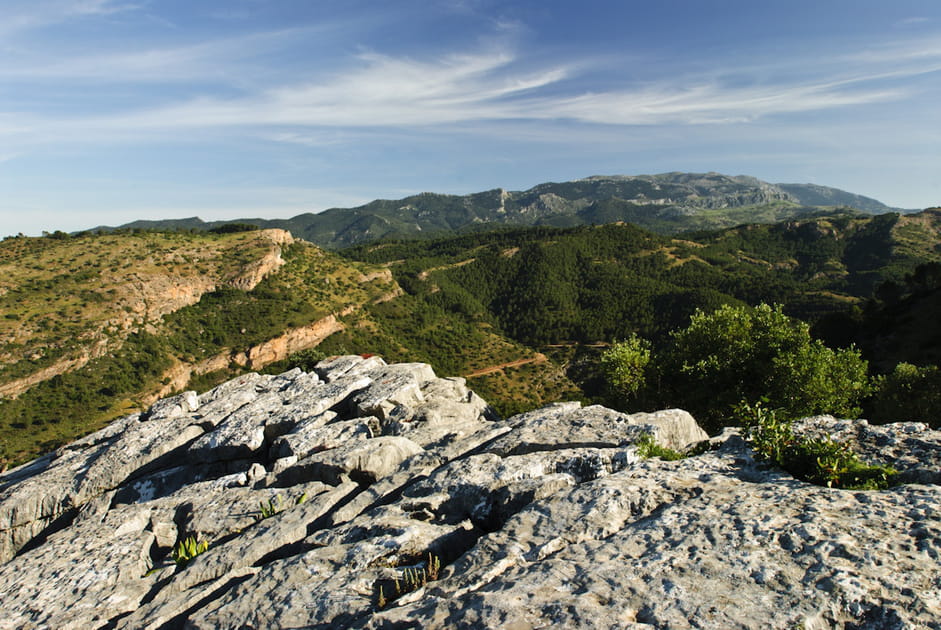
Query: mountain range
x=667 y=203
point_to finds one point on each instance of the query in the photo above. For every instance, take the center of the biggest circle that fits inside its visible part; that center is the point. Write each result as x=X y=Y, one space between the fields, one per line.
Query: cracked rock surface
x=366 y=495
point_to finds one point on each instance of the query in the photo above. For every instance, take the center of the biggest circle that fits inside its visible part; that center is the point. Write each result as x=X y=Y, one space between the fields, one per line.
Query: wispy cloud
x=388 y=91
x=25 y=15
x=910 y=49
x=221 y=60
x=381 y=91
x=375 y=91
x=912 y=21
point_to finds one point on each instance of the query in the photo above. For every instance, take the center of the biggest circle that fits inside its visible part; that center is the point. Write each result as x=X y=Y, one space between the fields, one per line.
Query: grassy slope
x=140 y=352
x=58 y=296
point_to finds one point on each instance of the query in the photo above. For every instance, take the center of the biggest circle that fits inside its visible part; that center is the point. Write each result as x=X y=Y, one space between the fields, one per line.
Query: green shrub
x=624 y=365
x=741 y=353
x=909 y=392
x=820 y=461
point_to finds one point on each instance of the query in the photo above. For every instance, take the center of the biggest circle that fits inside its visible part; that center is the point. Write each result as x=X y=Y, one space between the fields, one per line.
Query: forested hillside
x=569 y=292
x=548 y=285
x=523 y=313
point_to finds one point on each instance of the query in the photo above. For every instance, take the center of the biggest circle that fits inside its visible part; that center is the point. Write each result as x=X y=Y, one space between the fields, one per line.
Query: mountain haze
x=814 y=195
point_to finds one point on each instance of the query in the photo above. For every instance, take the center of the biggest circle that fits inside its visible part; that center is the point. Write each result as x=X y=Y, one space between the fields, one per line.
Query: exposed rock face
x=145 y=297
x=254 y=272
x=369 y=475
x=294 y=340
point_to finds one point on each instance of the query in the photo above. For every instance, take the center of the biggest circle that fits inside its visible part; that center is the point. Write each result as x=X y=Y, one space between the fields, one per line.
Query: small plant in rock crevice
x=187 y=549
x=276 y=505
x=411 y=579
x=647 y=447
x=821 y=461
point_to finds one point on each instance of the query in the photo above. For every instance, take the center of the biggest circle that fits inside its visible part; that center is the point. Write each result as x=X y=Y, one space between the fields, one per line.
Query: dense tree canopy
x=738 y=354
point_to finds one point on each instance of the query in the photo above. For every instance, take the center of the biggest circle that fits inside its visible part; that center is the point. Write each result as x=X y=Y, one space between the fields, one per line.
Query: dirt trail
x=423 y=275
x=539 y=358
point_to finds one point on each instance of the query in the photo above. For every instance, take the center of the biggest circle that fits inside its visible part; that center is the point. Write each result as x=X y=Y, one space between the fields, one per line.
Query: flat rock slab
x=82 y=577
x=392 y=386
x=337 y=582
x=667 y=550
x=675 y=428
x=345 y=366
x=568 y=426
x=363 y=461
x=307 y=439
x=547 y=519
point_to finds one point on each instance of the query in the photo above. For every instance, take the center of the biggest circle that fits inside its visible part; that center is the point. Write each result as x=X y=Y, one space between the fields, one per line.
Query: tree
x=624 y=366
x=910 y=392
x=758 y=354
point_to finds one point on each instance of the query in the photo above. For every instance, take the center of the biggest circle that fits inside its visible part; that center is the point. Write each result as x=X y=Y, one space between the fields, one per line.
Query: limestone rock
x=366 y=495
x=568 y=426
x=675 y=428
x=364 y=461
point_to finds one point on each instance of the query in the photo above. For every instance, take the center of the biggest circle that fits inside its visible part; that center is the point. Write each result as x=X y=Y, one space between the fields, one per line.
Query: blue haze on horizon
x=118 y=110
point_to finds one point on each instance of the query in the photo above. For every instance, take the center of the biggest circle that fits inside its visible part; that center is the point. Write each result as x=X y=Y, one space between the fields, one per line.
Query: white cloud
x=387 y=91
x=907 y=50
x=376 y=91
x=26 y=15
x=912 y=21
x=231 y=60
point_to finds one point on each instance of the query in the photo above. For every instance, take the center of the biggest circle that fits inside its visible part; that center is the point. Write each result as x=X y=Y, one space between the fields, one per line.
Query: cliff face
x=161 y=283
x=367 y=495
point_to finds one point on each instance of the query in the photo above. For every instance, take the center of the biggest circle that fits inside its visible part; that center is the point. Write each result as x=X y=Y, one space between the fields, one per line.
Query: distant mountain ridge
x=667 y=203
x=815 y=195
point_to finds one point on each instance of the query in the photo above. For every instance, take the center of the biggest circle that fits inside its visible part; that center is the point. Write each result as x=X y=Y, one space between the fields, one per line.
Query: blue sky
x=116 y=110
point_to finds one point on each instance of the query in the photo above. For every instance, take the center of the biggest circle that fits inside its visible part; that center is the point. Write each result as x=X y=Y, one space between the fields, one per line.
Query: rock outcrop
x=367 y=495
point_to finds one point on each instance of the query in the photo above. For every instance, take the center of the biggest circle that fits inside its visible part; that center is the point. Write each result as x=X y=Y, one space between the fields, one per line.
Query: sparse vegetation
x=132 y=351
x=276 y=505
x=820 y=461
x=187 y=549
x=411 y=579
x=647 y=447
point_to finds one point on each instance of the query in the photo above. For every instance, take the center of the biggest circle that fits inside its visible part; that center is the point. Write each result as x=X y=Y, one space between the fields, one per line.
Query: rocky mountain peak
x=367 y=495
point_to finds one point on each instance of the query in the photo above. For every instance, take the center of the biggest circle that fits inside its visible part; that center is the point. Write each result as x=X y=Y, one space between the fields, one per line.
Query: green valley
x=98 y=325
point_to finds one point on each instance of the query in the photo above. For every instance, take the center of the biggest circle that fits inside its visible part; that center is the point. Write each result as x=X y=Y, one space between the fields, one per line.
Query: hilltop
x=366 y=495
x=668 y=203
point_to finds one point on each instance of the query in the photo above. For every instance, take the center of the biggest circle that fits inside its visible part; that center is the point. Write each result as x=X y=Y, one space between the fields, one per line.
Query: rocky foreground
x=367 y=495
